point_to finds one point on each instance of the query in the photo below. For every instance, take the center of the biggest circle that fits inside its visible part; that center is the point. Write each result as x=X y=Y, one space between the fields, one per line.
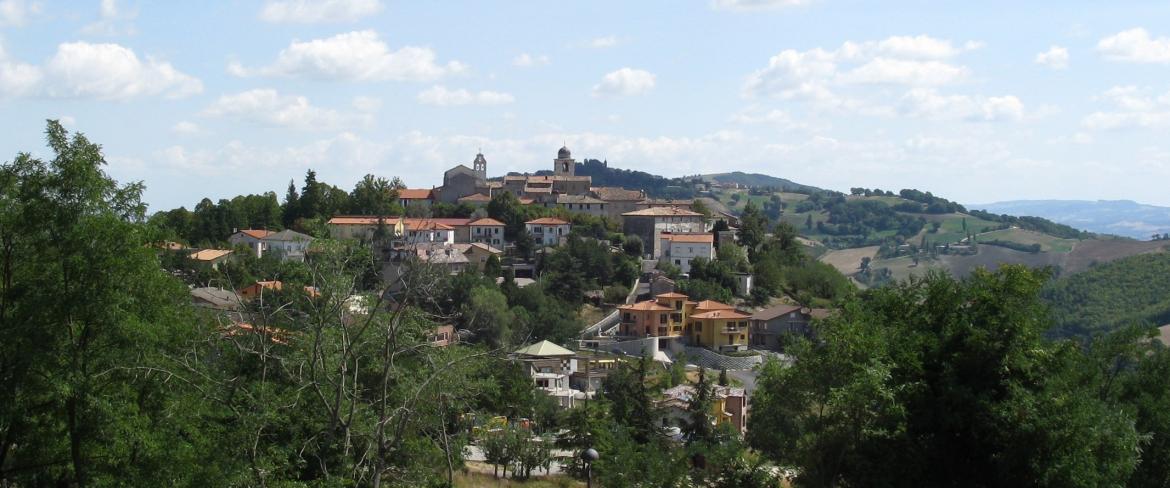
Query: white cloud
x=1135 y=46
x=625 y=81
x=318 y=11
x=100 y=71
x=344 y=154
x=754 y=5
x=440 y=96
x=185 y=127
x=112 y=20
x=1135 y=108
x=811 y=75
x=354 y=56
x=14 y=13
x=1055 y=57
x=114 y=72
x=16 y=78
x=774 y=117
x=927 y=103
x=920 y=47
x=525 y=60
x=604 y=42
x=268 y=107
x=906 y=72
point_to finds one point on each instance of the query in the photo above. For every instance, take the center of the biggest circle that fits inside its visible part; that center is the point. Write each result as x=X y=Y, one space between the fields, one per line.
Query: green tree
x=700 y=428
x=752 y=229
x=375 y=196
x=83 y=305
x=936 y=380
x=291 y=210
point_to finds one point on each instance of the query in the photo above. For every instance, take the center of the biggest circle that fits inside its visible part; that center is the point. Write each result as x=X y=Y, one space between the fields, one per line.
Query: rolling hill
x=756 y=180
x=1118 y=217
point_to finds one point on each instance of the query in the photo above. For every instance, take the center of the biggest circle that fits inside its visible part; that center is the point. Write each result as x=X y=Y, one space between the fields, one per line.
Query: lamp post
x=589 y=455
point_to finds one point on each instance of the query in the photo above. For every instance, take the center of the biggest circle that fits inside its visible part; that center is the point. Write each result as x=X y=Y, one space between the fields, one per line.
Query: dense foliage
x=938 y=382
x=1037 y=224
x=1110 y=295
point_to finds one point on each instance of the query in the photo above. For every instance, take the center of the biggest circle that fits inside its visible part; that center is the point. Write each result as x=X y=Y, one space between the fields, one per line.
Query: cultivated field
x=848 y=261
x=1047 y=242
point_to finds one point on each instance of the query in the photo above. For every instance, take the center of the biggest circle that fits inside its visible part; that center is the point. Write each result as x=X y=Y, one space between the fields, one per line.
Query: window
x=662 y=318
x=698 y=326
x=626 y=317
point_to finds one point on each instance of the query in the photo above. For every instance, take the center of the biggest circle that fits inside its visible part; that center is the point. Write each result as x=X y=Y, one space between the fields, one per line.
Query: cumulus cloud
x=442 y=97
x=112 y=20
x=100 y=71
x=900 y=60
x=905 y=72
x=17 y=78
x=625 y=81
x=318 y=11
x=267 y=106
x=113 y=72
x=1055 y=57
x=354 y=56
x=928 y=103
x=1134 y=108
x=1135 y=46
x=754 y=5
x=14 y=13
x=525 y=60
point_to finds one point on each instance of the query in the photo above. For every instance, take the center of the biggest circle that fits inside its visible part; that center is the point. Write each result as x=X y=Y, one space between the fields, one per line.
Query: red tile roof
x=257 y=233
x=416 y=194
x=721 y=314
x=646 y=305
x=663 y=212
x=209 y=254
x=487 y=221
x=713 y=305
x=547 y=221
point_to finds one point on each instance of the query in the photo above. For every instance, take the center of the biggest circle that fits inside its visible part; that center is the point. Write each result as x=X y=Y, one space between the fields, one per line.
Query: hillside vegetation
x=1107 y=296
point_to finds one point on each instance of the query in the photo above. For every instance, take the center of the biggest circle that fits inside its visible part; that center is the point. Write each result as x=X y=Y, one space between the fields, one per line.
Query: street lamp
x=588 y=456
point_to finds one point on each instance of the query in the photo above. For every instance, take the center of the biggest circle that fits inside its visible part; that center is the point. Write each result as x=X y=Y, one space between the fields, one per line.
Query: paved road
x=474 y=453
x=747 y=377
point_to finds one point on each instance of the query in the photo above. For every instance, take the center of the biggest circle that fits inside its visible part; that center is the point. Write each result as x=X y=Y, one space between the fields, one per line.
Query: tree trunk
x=75 y=442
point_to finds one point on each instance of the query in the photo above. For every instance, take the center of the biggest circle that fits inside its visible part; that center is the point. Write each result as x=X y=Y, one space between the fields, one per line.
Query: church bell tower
x=564 y=165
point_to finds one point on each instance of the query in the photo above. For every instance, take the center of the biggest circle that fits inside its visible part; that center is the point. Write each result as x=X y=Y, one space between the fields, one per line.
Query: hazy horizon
x=988 y=102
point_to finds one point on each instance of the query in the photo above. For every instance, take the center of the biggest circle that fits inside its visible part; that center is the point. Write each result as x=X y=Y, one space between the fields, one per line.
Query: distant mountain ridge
x=1119 y=217
x=759 y=180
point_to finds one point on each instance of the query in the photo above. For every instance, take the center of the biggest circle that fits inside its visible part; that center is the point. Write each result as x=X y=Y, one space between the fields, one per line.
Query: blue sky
x=975 y=101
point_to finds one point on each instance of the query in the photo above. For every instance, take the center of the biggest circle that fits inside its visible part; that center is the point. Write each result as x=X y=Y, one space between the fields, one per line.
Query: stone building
x=650 y=223
x=461 y=181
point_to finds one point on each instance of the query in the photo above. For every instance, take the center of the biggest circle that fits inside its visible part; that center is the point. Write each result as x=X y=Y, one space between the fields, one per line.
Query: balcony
x=733 y=330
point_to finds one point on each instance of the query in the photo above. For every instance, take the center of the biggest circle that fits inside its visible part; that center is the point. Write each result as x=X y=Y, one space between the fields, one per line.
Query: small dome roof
x=563 y=153
x=480 y=159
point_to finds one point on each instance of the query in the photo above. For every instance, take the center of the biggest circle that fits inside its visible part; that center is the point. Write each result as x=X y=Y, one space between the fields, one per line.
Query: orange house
x=663 y=316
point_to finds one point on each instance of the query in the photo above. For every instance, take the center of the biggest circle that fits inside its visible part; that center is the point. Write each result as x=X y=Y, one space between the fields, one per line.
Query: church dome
x=563 y=153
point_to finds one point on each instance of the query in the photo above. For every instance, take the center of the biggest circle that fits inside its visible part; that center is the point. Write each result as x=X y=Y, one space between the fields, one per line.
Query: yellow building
x=708 y=323
x=719 y=330
x=663 y=316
